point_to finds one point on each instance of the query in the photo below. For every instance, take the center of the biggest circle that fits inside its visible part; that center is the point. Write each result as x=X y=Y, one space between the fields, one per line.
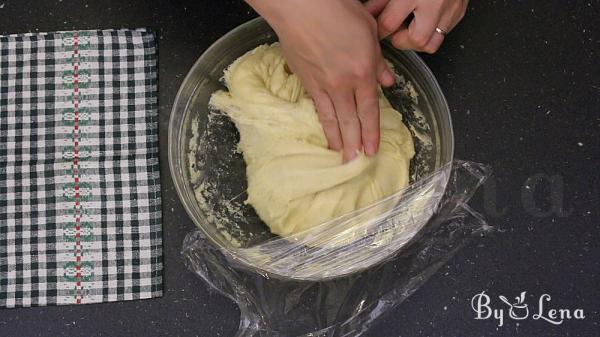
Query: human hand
x=421 y=33
x=333 y=47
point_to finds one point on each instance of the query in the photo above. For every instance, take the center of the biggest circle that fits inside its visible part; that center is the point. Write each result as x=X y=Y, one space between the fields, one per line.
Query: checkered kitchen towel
x=80 y=218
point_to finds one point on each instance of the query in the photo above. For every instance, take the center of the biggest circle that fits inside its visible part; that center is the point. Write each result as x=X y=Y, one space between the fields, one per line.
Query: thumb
x=385 y=76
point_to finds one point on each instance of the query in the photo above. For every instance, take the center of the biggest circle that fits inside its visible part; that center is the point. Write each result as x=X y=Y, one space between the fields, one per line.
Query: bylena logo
x=519 y=310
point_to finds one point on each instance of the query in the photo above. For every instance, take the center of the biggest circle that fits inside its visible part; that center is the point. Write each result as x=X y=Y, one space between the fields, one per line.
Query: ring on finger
x=441 y=31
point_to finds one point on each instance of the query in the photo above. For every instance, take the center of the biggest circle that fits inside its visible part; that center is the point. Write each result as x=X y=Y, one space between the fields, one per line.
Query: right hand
x=419 y=33
x=333 y=47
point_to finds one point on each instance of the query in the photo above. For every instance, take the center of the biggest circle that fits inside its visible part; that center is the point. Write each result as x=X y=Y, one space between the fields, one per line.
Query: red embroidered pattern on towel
x=77 y=232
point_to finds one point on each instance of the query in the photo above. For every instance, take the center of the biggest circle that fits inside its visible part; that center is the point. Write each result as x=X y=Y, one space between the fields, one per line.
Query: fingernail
x=389 y=78
x=370 y=149
x=349 y=156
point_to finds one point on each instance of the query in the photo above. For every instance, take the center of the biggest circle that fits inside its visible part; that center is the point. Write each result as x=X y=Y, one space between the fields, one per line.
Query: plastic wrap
x=339 y=278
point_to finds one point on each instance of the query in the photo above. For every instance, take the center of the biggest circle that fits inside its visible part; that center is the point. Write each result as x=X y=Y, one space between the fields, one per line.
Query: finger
x=420 y=30
x=367 y=105
x=328 y=120
x=434 y=43
x=385 y=76
x=437 y=38
x=392 y=17
x=452 y=14
x=345 y=108
x=375 y=6
x=448 y=21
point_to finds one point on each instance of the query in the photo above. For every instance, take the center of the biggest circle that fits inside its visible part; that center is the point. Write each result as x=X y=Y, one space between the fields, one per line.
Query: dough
x=294 y=181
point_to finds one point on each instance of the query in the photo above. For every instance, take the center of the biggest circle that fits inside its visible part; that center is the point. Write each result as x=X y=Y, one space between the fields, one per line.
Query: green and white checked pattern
x=80 y=218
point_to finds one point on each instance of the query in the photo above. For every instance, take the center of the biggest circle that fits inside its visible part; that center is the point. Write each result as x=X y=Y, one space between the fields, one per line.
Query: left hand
x=420 y=34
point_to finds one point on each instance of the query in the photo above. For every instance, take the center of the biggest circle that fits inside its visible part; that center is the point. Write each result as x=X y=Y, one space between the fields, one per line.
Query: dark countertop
x=523 y=82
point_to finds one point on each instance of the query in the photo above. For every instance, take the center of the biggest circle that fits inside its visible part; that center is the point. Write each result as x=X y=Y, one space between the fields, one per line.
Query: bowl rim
x=174 y=150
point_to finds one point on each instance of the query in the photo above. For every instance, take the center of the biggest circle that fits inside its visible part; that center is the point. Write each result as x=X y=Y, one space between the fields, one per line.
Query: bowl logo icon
x=519 y=309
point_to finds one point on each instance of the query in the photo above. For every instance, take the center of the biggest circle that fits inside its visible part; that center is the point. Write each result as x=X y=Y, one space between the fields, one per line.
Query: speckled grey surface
x=523 y=82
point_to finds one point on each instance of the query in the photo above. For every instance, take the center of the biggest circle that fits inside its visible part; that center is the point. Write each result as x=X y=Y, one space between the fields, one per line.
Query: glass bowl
x=202 y=152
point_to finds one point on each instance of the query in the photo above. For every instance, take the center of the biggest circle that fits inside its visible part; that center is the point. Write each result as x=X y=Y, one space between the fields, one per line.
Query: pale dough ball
x=294 y=181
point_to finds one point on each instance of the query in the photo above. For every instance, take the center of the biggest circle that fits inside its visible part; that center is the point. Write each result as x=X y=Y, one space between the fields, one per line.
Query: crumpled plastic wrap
x=339 y=278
